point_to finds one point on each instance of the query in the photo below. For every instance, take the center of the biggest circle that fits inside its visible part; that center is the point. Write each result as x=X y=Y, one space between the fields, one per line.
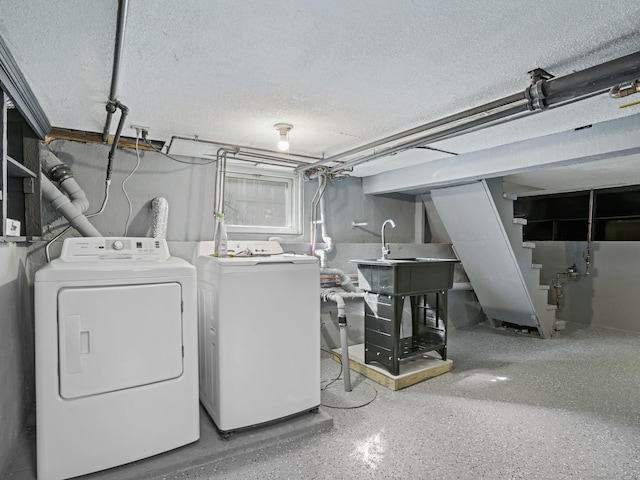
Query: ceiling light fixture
x=283 y=129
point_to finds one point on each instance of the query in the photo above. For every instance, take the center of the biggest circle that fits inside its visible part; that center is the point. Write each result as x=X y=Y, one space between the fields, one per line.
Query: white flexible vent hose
x=160 y=216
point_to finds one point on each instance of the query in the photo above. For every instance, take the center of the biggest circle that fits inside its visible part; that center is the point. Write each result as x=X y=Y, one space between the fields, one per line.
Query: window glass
x=259 y=201
x=565 y=216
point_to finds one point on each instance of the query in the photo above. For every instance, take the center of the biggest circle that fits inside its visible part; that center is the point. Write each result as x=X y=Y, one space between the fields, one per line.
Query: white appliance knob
x=118 y=245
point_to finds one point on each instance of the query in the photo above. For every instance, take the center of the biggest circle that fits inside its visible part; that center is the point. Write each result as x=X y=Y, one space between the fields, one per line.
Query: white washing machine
x=259 y=326
x=116 y=355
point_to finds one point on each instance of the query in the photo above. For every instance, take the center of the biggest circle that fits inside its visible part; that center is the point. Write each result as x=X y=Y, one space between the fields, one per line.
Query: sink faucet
x=385 y=247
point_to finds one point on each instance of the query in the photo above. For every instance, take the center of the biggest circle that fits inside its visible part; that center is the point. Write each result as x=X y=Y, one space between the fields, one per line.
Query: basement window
x=259 y=200
x=565 y=217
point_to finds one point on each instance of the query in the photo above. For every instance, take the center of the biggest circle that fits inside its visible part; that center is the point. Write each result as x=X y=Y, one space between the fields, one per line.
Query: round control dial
x=118 y=245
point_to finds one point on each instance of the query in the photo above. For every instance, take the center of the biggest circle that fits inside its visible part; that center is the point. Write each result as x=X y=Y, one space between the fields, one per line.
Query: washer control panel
x=80 y=249
x=249 y=248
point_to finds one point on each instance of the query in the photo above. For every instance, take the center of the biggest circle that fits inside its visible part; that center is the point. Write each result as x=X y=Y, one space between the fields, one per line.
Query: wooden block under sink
x=412 y=370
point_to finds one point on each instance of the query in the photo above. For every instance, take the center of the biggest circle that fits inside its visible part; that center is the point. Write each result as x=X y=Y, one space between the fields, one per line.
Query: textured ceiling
x=344 y=73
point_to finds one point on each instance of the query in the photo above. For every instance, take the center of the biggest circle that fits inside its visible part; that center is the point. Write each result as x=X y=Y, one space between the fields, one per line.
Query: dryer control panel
x=82 y=249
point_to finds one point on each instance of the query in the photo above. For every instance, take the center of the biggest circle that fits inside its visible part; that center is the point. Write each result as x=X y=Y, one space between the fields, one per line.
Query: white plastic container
x=220 y=237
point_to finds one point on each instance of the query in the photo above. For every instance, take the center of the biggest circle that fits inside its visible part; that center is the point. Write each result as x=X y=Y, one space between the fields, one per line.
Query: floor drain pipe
x=339 y=297
x=344 y=345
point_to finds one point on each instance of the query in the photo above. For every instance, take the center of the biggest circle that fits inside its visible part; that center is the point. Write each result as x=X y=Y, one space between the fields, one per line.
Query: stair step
x=520 y=221
x=528 y=245
x=510 y=196
x=536 y=266
x=545 y=287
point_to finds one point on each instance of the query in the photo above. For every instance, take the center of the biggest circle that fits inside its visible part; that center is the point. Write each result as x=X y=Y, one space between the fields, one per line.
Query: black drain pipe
x=123 y=6
x=539 y=96
x=123 y=116
x=590 y=80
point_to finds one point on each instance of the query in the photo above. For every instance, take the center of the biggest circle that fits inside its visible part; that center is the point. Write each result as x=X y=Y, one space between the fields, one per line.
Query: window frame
x=275 y=175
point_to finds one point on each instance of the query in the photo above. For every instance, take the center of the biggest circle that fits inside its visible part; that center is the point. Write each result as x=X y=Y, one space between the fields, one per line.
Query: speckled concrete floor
x=513 y=407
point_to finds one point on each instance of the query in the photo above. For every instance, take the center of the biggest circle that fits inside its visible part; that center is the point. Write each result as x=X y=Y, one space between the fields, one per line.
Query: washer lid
x=114 y=338
x=114 y=269
x=243 y=252
x=285 y=258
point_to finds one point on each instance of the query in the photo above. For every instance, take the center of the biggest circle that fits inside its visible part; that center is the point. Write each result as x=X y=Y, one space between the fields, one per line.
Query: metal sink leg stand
x=383 y=319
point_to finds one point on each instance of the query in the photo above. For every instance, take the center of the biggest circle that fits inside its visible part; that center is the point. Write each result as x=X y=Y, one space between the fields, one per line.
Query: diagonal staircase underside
x=488 y=241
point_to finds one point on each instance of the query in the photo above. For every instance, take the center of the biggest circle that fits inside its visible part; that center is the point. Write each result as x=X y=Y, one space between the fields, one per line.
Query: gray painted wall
x=189 y=191
x=16 y=348
x=186 y=187
x=608 y=297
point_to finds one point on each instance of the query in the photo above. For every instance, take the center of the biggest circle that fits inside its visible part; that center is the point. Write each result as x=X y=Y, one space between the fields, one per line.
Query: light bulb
x=283 y=129
x=283 y=143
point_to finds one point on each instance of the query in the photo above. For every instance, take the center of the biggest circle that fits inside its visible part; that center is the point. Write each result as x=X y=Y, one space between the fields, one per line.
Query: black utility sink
x=405 y=276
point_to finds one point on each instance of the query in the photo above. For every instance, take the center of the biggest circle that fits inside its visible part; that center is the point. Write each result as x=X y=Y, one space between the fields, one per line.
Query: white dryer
x=116 y=355
x=259 y=324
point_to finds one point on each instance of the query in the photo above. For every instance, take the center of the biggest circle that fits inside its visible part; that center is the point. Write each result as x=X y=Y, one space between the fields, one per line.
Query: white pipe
x=322 y=184
x=76 y=194
x=67 y=209
x=48 y=158
x=345 y=280
x=339 y=297
x=58 y=171
x=160 y=215
x=328 y=241
x=344 y=344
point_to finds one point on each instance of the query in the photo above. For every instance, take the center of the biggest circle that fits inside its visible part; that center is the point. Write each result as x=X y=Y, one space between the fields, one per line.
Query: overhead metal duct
x=541 y=95
x=245 y=153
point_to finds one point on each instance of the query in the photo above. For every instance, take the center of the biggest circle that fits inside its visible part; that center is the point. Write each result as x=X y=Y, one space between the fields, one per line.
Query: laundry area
x=301 y=240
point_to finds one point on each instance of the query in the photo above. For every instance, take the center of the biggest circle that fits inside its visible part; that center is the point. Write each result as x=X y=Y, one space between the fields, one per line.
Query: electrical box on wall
x=11 y=228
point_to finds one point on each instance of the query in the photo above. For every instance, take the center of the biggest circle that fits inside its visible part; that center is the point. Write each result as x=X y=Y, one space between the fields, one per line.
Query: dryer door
x=118 y=337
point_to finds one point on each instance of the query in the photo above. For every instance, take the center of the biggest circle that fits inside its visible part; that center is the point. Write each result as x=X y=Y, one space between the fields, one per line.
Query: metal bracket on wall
x=539 y=74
